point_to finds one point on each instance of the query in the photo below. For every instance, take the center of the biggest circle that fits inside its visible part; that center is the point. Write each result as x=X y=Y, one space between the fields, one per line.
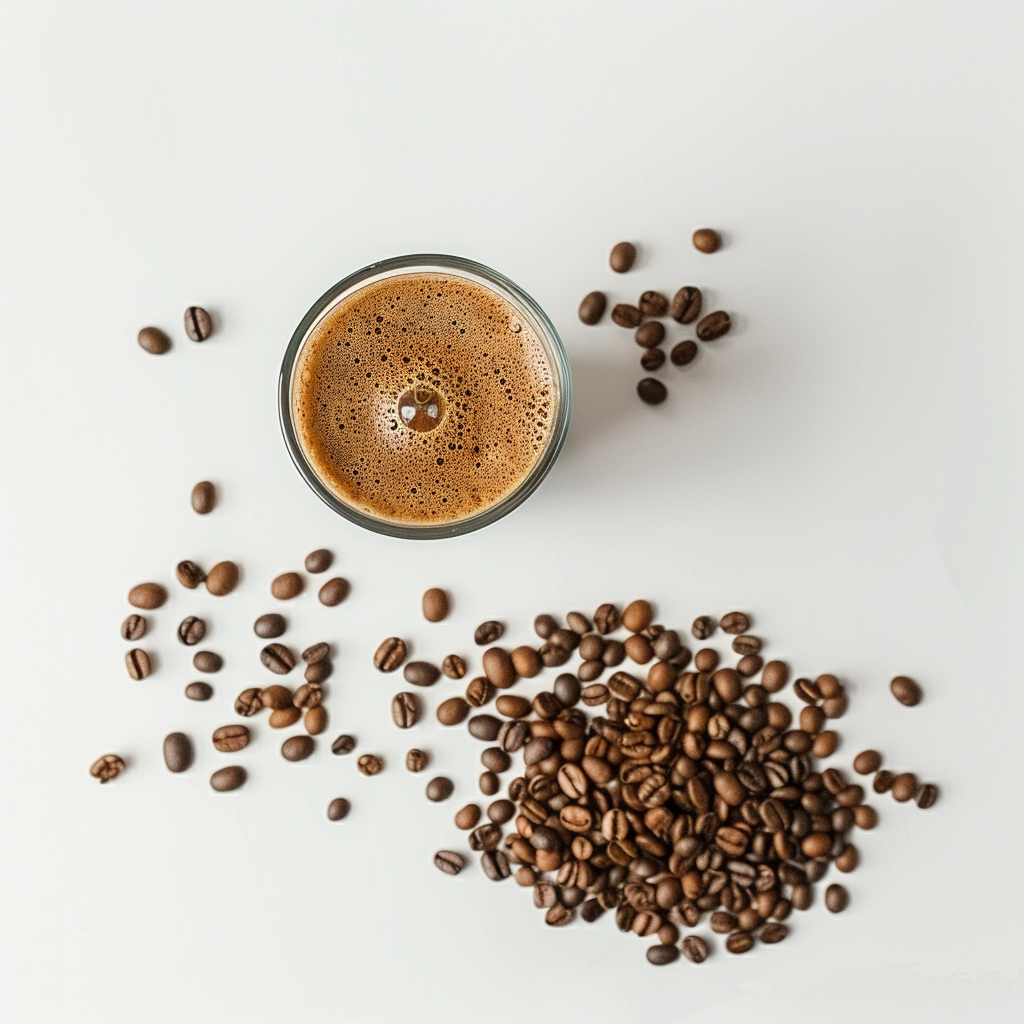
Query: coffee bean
x=837 y=899
x=905 y=690
x=207 y=661
x=926 y=796
x=178 y=752
x=318 y=561
x=284 y=718
x=622 y=257
x=637 y=616
x=867 y=762
x=278 y=659
x=147 y=596
x=567 y=689
x=498 y=667
x=773 y=932
x=134 y=627
x=706 y=240
x=512 y=706
x=230 y=738
x=479 y=691
x=333 y=592
x=405 y=710
x=344 y=744
x=297 y=748
x=276 y=697
x=686 y=303
x=662 y=954
x=625 y=315
x=138 y=664
x=865 y=816
x=739 y=942
x=487 y=632
x=222 y=579
x=286 y=586
x=467 y=817
x=421 y=673
x=440 y=788
x=435 y=605
x=526 y=661
x=651 y=391
x=496 y=760
x=495 y=865
x=683 y=353
x=415 y=760
x=650 y=334
x=316 y=653
x=591 y=910
x=904 y=787
x=308 y=695
x=199 y=691
x=501 y=811
x=453 y=666
x=489 y=783
x=746 y=645
x=338 y=808
x=315 y=720
x=191 y=630
x=484 y=727
x=807 y=691
x=198 y=325
x=591 y=310
x=652 y=359
x=249 y=702
x=269 y=626
x=883 y=781
x=225 y=779
x=154 y=341
x=607 y=619
x=390 y=654
x=703 y=627
x=370 y=764
x=449 y=862
x=189 y=575
x=734 y=623
x=695 y=949
x=204 y=497
x=544 y=625
x=107 y=767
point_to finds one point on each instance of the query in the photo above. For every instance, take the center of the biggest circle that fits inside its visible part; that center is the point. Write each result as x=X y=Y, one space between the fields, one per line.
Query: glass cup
x=422 y=408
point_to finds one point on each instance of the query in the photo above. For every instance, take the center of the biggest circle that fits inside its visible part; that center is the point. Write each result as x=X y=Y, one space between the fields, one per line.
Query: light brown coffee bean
x=153 y=341
x=526 y=661
x=178 y=752
x=415 y=761
x=276 y=697
x=479 y=691
x=284 y=718
x=138 y=664
x=453 y=666
x=686 y=304
x=703 y=627
x=189 y=574
x=134 y=627
x=435 y=605
x=199 y=691
x=334 y=591
x=229 y=738
x=249 y=702
x=222 y=579
x=498 y=668
x=467 y=817
x=286 y=586
x=277 y=658
x=622 y=257
x=207 y=661
x=695 y=949
x=706 y=240
x=338 y=809
x=421 y=673
x=405 y=709
x=440 y=788
x=904 y=787
x=308 y=695
x=147 y=596
x=637 y=616
x=198 y=324
x=626 y=315
x=390 y=654
x=512 y=706
x=107 y=767
x=315 y=720
x=867 y=762
x=370 y=764
x=204 y=497
x=905 y=690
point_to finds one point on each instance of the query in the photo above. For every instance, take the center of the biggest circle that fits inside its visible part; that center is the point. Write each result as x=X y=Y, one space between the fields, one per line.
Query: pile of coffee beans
x=646 y=317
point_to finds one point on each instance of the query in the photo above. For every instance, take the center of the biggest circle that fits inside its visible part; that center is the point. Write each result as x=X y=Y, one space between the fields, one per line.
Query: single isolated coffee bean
x=297 y=748
x=318 y=561
x=416 y=760
x=390 y=654
x=625 y=315
x=278 y=658
x=495 y=759
x=746 y=645
x=191 y=630
x=249 y=702
x=653 y=304
x=686 y=303
x=230 y=738
x=207 y=661
x=652 y=359
x=453 y=666
x=338 y=808
x=333 y=592
x=199 y=691
x=637 y=616
x=650 y=334
x=370 y=764
x=154 y=341
x=421 y=673
x=905 y=690
x=706 y=240
x=489 y=783
x=138 y=664
x=487 y=632
x=107 y=767
x=222 y=579
x=286 y=586
x=189 y=574
x=226 y=779
x=449 y=862
x=198 y=325
x=651 y=391
x=714 y=326
x=837 y=899
x=344 y=744
x=435 y=605
x=204 y=497
x=405 y=709
x=867 y=762
x=695 y=949
x=926 y=796
x=684 y=353
x=591 y=310
x=133 y=627
x=270 y=626
x=147 y=596
x=452 y=711
x=440 y=788
x=622 y=257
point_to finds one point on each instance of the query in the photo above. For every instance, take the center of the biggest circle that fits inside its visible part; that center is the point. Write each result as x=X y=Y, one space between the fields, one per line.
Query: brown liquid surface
x=420 y=332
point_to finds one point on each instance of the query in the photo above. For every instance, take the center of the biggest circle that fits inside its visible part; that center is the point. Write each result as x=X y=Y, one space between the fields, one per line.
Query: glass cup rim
x=508 y=289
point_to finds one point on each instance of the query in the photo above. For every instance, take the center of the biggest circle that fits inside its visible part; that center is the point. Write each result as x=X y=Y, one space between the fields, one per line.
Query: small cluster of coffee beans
x=198 y=326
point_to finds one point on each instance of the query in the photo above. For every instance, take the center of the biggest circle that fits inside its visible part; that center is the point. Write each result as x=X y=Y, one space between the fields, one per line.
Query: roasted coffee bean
x=837 y=899
x=651 y=391
x=405 y=709
x=435 y=604
x=318 y=561
x=204 y=497
x=683 y=353
x=714 y=326
x=686 y=304
x=734 y=623
x=222 y=579
x=904 y=787
x=773 y=932
x=926 y=796
x=695 y=949
x=750 y=665
x=498 y=667
x=487 y=632
x=567 y=638
x=277 y=658
x=591 y=911
x=883 y=781
x=107 y=767
x=297 y=748
x=707 y=240
x=512 y=736
x=154 y=341
x=489 y=783
x=453 y=666
x=318 y=671
x=650 y=334
x=484 y=727
x=662 y=954
x=198 y=325
x=134 y=627
x=745 y=644
x=452 y=711
x=338 y=808
x=578 y=622
x=178 y=752
x=479 y=691
x=229 y=738
x=495 y=865
x=590 y=670
x=189 y=575
x=626 y=315
x=638 y=649
x=653 y=304
x=449 y=862
x=370 y=764
x=774 y=676
x=825 y=743
x=607 y=619
x=496 y=760
x=282 y=718
x=501 y=811
x=199 y=691
x=703 y=627
x=905 y=690
x=552 y=655
x=191 y=630
x=739 y=942
x=440 y=788
x=317 y=652
x=544 y=625
x=421 y=673
x=865 y=816
x=807 y=691
x=591 y=310
x=415 y=761
x=512 y=706
x=390 y=654
x=334 y=591
x=344 y=744
x=526 y=661
x=249 y=702
x=867 y=762
x=138 y=664
x=268 y=627
x=591 y=647
x=147 y=596
x=286 y=586
x=637 y=616
x=567 y=689
x=622 y=258
x=276 y=697
x=225 y=779
x=706 y=659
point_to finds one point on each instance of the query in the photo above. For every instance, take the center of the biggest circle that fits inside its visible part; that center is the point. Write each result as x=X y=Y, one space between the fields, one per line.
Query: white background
x=846 y=465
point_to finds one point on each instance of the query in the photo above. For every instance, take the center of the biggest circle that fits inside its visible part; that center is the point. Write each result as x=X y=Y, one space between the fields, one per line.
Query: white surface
x=846 y=465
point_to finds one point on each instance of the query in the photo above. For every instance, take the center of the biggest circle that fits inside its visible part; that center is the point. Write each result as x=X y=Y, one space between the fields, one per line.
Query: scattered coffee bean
x=653 y=304
x=204 y=497
x=405 y=710
x=107 y=767
x=207 y=661
x=544 y=625
x=370 y=764
x=867 y=762
x=883 y=781
x=501 y=811
x=415 y=760
x=637 y=616
x=318 y=671
x=651 y=391
x=230 y=738
x=440 y=788
x=154 y=341
x=467 y=817
x=484 y=727
x=487 y=632
x=315 y=653
x=189 y=575
x=315 y=720
x=297 y=748
x=498 y=667
x=686 y=305
x=333 y=592
x=904 y=787
x=147 y=596
x=286 y=586
x=225 y=779
x=278 y=659
x=706 y=240
x=390 y=654
x=133 y=627
x=344 y=744
x=512 y=706
x=652 y=359
x=338 y=808
x=926 y=796
x=284 y=718
x=734 y=623
x=625 y=315
x=739 y=942
x=622 y=257
x=714 y=326
x=662 y=954
x=567 y=689
x=695 y=949
x=837 y=899
x=526 y=661
x=308 y=695
x=269 y=626
x=449 y=862
x=199 y=691
x=198 y=325
x=495 y=865
x=421 y=673
x=276 y=697
x=435 y=604
x=703 y=627
x=222 y=579
x=773 y=932
x=495 y=759
x=138 y=664
x=249 y=702
x=489 y=783
x=191 y=630
x=591 y=310
x=479 y=691
x=905 y=690
x=452 y=711
x=683 y=353
x=318 y=561
x=178 y=752
x=453 y=666
x=650 y=334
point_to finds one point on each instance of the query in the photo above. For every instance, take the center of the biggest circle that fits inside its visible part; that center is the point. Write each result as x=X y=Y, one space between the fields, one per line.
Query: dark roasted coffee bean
x=703 y=626
x=905 y=690
x=489 y=783
x=344 y=744
x=286 y=586
x=189 y=575
x=229 y=738
x=204 y=497
x=714 y=326
x=191 y=630
x=707 y=240
x=773 y=932
x=484 y=727
x=278 y=658
x=651 y=391
x=435 y=605
x=440 y=788
x=837 y=899
x=225 y=779
x=807 y=691
x=222 y=579
x=867 y=762
x=138 y=664
x=338 y=808
x=317 y=652
x=883 y=781
x=746 y=645
x=318 y=561
x=625 y=315
x=405 y=709
x=154 y=341
x=591 y=310
x=107 y=767
x=739 y=942
x=622 y=258
x=927 y=795
x=334 y=591
x=267 y=627
x=199 y=691
x=249 y=702
x=452 y=711
x=552 y=655
x=695 y=949
x=486 y=837
x=487 y=632
x=591 y=911
x=390 y=654
x=650 y=334
x=495 y=865
x=734 y=623
x=421 y=673
x=512 y=736
x=297 y=748
x=147 y=596
x=178 y=752
x=567 y=689
x=683 y=353
x=415 y=760
x=479 y=691
x=496 y=760
x=453 y=666
x=686 y=303
x=449 y=862
x=134 y=627
x=370 y=764
x=544 y=625
x=653 y=304
x=607 y=619
x=652 y=359
x=662 y=954
x=198 y=325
